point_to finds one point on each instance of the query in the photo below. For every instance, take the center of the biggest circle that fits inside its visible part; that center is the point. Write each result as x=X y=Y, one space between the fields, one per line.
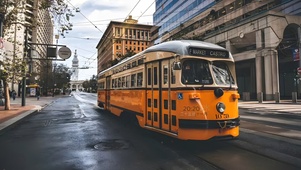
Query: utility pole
x=299 y=44
x=1 y=24
x=1 y=46
x=24 y=77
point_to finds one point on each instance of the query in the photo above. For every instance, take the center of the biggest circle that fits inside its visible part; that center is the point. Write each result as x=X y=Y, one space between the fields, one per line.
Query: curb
x=15 y=120
x=9 y=123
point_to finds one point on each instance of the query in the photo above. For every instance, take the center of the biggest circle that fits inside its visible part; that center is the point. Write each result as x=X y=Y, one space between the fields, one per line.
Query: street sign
x=64 y=52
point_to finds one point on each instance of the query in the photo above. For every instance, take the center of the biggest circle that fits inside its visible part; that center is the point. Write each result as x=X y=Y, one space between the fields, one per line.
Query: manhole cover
x=112 y=144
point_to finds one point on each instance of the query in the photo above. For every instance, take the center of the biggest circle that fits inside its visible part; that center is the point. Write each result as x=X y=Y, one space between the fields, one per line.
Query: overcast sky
x=90 y=23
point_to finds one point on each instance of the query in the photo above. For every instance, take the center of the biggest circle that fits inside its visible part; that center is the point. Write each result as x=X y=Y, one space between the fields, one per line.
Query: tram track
x=252 y=150
x=238 y=154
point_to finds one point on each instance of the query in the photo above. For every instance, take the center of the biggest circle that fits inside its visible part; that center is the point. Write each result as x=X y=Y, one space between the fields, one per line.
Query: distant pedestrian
x=38 y=94
x=13 y=93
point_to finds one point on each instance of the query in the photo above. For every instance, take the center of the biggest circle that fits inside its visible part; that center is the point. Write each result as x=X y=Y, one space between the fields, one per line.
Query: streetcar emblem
x=180 y=96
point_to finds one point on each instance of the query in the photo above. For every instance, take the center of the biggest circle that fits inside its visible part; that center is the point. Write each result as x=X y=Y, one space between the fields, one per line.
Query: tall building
x=121 y=38
x=262 y=36
x=36 y=25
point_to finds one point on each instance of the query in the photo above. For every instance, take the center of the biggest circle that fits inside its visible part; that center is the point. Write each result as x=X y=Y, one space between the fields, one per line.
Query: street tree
x=9 y=73
x=61 y=76
x=12 y=13
x=91 y=85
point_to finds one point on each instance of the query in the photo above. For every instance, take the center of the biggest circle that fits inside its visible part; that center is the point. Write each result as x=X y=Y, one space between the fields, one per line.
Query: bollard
x=260 y=97
x=277 y=97
x=294 y=97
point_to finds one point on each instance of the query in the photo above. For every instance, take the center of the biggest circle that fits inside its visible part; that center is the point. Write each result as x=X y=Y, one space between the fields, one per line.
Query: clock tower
x=74 y=68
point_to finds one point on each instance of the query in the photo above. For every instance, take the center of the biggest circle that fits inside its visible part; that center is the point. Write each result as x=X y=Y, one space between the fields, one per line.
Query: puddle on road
x=112 y=144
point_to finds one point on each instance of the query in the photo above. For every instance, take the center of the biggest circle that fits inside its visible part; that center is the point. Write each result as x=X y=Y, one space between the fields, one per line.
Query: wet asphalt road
x=72 y=133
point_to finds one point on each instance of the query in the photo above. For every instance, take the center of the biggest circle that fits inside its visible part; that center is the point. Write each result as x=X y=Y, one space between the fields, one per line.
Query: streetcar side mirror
x=177 y=66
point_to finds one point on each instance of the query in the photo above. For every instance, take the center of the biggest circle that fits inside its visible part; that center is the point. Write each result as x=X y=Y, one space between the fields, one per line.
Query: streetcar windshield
x=221 y=73
x=196 y=72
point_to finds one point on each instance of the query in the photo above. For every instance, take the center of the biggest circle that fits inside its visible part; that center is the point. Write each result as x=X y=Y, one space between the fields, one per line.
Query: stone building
x=262 y=36
x=121 y=38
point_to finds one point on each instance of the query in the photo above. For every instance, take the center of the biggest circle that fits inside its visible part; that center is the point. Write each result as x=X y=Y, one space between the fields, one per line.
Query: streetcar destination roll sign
x=208 y=53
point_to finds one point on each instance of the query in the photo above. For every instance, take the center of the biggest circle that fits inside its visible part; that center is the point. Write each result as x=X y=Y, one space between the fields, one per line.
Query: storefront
x=32 y=89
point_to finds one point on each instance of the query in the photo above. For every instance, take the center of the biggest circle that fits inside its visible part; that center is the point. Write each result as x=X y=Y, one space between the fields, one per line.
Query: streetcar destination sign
x=208 y=53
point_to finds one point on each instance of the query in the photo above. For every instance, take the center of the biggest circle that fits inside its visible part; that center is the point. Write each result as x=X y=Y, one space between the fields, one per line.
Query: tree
x=86 y=85
x=61 y=76
x=13 y=12
x=91 y=85
x=11 y=72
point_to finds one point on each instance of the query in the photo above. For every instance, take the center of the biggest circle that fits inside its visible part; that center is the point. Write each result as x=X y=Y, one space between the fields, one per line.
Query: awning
x=33 y=86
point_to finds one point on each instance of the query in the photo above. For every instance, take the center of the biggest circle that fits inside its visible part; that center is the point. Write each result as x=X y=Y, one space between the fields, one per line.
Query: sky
x=91 y=22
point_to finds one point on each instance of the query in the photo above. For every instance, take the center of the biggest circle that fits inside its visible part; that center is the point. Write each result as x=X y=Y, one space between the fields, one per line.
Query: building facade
x=261 y=35
x=33 y=25
x=121 y=38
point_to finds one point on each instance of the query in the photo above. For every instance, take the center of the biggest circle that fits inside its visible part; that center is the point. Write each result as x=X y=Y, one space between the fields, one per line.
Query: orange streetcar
x=185 y=89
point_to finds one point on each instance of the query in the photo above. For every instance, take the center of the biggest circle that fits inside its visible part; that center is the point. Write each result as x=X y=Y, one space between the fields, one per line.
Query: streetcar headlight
x=218 y=92
x=220 y=107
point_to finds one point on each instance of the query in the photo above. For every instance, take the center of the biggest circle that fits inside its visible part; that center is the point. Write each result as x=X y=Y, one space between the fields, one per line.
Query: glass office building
x=262 y=35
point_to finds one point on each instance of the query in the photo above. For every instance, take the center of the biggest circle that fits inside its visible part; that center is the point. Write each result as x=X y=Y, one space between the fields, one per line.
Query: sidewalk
x=271 y=107
x=17 y=112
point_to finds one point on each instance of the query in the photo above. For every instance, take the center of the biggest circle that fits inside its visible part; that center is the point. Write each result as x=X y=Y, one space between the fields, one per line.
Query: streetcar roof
x=182 y=46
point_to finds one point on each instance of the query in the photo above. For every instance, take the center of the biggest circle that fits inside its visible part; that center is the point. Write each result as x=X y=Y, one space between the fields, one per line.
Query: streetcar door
x=107 y=91
x=153 y=95
x=166 y=95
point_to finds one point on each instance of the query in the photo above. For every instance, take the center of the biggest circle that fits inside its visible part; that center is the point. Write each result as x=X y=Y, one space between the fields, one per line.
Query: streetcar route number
x=222 y=116
x=191 y=108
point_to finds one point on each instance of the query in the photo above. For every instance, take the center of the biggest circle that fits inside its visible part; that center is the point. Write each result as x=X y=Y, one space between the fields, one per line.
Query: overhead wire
x=146 y=10
x=85 y=17
x=132 y=9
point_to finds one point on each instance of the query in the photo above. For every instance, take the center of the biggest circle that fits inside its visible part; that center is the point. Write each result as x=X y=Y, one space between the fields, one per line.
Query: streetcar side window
x=172 y=76
x=113 y=83
x=139 y=79
x=155 y=76
x=116 y=83
x=133 y=80
x=119 y=82
x=128 y=80
x=149 y=76
x=165 y=74
x=123 y=81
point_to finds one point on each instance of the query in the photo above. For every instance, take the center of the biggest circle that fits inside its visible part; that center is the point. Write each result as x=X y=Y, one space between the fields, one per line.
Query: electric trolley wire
x=146 y=9
x=132 y=9
x=86 y=17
